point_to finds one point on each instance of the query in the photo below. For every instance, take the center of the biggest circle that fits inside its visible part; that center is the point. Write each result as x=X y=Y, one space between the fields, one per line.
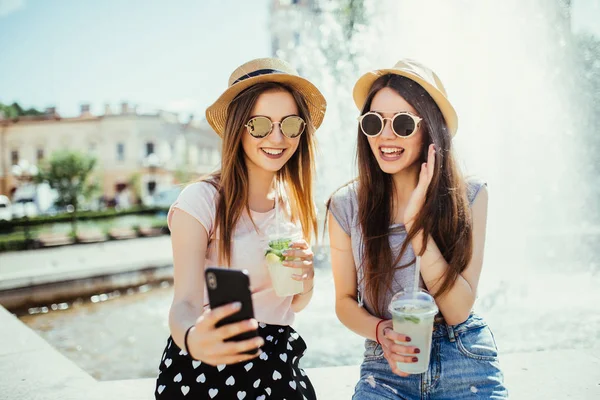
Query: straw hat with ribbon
x=265 y=70
x=418 y=73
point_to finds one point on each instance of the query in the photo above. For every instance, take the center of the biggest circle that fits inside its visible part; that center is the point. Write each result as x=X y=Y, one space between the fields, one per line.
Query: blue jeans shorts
x=463 y=365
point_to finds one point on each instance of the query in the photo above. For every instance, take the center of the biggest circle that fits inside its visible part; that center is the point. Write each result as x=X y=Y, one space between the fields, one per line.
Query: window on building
x=151 y=187
x=39 y=155
x=14 y=157
x=120 y=151
x=149 y=148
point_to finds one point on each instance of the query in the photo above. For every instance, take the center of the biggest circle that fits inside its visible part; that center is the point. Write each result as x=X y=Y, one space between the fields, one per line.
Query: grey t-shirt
x=344 y=208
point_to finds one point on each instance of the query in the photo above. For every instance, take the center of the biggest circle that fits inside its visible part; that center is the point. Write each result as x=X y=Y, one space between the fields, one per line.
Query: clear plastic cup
x=412 y=315
x=281 y=276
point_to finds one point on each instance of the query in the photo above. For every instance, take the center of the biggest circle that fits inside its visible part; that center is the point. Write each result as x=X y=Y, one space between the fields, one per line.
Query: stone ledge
x=31 y=369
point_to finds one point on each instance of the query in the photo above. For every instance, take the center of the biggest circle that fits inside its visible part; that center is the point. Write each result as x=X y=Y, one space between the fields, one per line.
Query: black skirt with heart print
x=276 y=374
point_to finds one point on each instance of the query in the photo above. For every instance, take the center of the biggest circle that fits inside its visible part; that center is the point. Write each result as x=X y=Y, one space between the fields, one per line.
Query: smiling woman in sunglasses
x=410 y=200
x=267 y=118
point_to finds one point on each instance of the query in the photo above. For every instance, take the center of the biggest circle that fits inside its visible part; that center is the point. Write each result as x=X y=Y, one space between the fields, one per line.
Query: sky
x=172 y=55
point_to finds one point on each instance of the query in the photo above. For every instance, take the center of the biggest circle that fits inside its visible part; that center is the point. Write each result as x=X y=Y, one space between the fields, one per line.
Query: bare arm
x=348 y=311
x=205 y=342
x=456 y=304
x=356 y=318
x=189 y=241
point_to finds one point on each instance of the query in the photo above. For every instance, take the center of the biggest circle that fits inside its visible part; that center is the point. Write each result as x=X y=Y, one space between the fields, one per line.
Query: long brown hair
x=445 y=216
x=231 y=181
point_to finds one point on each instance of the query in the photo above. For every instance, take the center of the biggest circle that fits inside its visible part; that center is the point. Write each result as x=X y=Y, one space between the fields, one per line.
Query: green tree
x=69 y=172
x=15 y=111
x=135 y=183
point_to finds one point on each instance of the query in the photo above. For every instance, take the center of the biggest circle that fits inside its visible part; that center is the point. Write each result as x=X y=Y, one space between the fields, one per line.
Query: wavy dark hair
x=445 y=216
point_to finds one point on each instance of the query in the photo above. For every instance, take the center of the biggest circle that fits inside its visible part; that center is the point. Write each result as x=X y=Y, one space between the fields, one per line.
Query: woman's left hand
x=417 y=199
x=302 y=257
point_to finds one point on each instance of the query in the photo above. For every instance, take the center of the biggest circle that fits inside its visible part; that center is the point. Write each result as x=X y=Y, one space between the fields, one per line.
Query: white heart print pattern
x=233 y=383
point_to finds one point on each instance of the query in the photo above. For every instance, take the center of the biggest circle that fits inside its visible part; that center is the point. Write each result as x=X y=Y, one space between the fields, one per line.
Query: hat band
x=257 y=73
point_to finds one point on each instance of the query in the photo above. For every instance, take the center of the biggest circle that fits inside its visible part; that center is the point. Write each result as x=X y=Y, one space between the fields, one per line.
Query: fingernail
x=286 y=263
x=237 y=305
x=415 y=359
x=417 y=351
x=285 y=252
x=408 y=339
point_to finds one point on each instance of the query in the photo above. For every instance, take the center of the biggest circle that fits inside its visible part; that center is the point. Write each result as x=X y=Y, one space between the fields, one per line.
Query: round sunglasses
x=291 y=127
x=404 y=124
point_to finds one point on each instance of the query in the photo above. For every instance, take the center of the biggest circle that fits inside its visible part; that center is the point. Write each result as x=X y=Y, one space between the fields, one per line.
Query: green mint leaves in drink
x=277 y=247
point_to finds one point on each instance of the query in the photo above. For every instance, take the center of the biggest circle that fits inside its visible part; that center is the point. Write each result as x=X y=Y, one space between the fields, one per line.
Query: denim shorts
x=463 y=365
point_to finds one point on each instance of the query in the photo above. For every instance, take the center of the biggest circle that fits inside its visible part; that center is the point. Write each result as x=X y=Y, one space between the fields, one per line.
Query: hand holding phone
x=227 y=333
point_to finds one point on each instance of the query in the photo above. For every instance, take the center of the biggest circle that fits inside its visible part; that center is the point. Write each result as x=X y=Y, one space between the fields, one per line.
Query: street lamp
x=24 y=173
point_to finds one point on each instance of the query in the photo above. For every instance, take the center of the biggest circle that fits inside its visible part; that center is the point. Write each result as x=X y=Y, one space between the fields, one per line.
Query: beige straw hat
x=418 y=73
x=265 y=70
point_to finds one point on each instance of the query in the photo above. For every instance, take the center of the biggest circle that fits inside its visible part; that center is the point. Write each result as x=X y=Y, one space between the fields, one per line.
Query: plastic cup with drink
x=413 y=312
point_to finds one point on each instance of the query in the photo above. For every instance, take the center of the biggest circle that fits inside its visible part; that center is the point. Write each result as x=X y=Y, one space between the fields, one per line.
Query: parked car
x=24 y=207
x=5 y=208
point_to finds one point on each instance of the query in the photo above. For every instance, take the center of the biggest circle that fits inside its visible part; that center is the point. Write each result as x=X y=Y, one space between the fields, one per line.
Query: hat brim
x=364 y=83
x=216 y=114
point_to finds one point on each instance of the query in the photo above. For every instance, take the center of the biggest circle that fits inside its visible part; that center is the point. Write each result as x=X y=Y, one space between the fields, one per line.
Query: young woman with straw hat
x=266 y=118
x=409 y=200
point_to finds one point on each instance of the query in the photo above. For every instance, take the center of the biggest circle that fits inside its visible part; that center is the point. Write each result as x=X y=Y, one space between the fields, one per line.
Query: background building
x=138 y=154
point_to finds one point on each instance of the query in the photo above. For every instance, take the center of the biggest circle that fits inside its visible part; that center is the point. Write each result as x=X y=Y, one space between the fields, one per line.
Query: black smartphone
x=228 y=286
